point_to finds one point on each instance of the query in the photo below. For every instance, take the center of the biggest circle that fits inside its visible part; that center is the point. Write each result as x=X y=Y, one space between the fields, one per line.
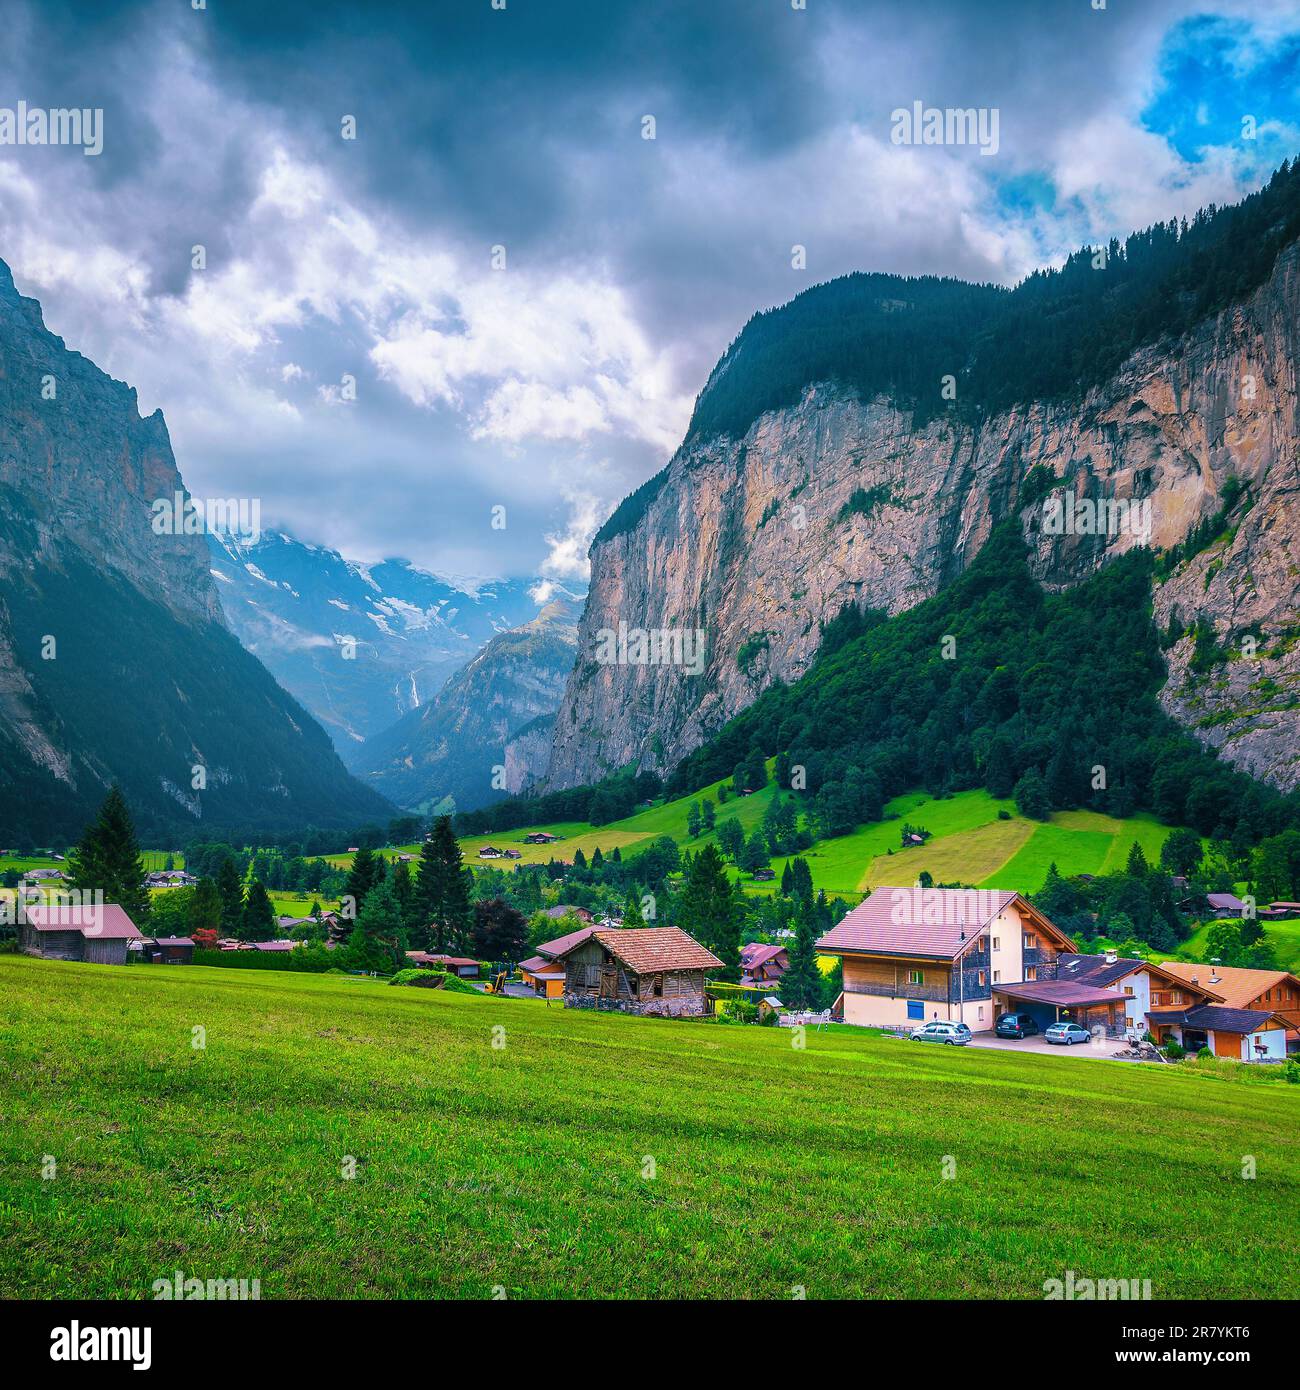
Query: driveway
x=1108 y=1049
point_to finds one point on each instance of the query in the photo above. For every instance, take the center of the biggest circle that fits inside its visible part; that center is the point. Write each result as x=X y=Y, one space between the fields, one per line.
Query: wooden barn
x=656 y=971
x=60 y=931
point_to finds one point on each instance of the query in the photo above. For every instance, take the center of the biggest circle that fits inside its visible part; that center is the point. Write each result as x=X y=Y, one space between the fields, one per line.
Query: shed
x=97 y=932
x=657 y=971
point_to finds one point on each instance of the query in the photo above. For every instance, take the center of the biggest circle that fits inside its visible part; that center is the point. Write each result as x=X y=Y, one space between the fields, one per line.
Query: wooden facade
x=595 y=979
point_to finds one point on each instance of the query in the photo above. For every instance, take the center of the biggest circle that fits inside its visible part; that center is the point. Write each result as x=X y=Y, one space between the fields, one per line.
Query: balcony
x=901 y=990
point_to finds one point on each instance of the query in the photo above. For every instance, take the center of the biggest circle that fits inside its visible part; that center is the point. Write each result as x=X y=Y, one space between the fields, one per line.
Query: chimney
x=1111 y=957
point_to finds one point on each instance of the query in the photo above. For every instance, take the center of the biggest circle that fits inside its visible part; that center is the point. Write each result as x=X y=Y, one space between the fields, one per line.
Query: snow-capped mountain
x=359 y=645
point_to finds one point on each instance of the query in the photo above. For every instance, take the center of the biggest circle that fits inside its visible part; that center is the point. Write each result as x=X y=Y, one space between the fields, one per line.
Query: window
x=1030 y=941
x=915 y=977
x=1031 y=972
x=980 y=1013
x=1128 y=989
x=997 y=975
x=983 y=977
x=997 y=944
x=984 y=945
x=915 y=1008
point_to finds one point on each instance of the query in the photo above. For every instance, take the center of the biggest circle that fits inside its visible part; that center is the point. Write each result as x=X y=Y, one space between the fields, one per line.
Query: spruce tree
x=442 y=889
x=378 y=941
x=259 y=922
x=801 y=985
x=205 y=908
x=706 y=910
x=362 y=877
x=230 y=889
x=108 y=859
x=632 y=910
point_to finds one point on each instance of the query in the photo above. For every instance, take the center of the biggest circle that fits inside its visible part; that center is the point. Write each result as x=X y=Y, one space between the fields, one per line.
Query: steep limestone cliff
x=115 y=662
x=755 y=541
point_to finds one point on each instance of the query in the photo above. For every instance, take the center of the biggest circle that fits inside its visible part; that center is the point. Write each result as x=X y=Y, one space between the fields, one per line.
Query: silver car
x=1066 y=1034
x=954 y=1034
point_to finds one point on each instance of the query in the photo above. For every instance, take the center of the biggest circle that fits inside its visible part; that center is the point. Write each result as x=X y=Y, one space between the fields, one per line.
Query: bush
x=433 y=979
x=1174 y=1051
x=314 y=960
x=1293 y=1072
x=427 y=979
x=1203 y=1053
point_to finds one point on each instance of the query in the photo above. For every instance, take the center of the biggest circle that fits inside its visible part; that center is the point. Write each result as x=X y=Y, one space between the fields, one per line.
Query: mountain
x=295 y=605
x=858 y=446
x=494 y=714
x=115 y=663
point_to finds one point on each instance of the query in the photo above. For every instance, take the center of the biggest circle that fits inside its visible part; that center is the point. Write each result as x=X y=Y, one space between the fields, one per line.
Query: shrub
x=426 y=979
x=1203 y=1053
x=314 y=960
x=1174 y=1051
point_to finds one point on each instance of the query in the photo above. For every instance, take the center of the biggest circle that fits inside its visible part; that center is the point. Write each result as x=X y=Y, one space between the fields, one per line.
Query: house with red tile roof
x=544 y=971
x=655 y=971
x=1269 y=994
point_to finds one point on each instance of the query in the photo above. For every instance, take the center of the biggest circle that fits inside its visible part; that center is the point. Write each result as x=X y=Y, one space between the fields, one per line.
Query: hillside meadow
x=597 y=1156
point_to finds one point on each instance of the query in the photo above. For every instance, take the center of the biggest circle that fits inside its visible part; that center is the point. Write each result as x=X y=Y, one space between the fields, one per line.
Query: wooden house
x=58 y=931
x=1271 y=992
x=656 y=971
x=762 y=962
x=172 y=950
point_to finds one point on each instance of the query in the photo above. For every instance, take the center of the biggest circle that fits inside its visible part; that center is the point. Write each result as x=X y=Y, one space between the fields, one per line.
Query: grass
x=521 y=1167
x=968 y=844
x=1283 y=937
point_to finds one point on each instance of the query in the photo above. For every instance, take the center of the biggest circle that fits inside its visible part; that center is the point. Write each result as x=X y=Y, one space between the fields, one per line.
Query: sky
x=499 y=293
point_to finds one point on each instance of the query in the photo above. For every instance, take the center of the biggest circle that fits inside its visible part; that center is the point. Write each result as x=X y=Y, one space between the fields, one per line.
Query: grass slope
x=968 y=842
x=522 y=1166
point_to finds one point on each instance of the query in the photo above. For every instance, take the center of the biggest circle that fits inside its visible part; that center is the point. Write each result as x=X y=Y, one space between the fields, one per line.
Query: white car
x=954 y=1034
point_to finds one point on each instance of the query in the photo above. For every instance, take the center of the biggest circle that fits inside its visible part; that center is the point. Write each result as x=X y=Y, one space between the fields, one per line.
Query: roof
x=271 y=945
x=1067 y=993
x=564 y=910
x=1097 y=970
x=1227 y=901
x=552 y=949
x=438 y=958
x=1235 y=985
x=648 y=950
x=758 y=953
x=173 y=941
x=935 y=922
x=541 y=967
x=106 y=921
x=1223 y=1020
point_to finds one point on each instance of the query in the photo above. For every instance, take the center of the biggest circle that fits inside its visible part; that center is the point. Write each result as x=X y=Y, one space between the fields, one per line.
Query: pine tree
x=108 y=859
x=693 y=819
x=632 y=910
x=442 y=888
x=801 y=985
x=205 y=908
x=1137 y=861
x=363 y=875
x=230 y=889
x=706 y=909
x=259 y=922
x=378 y=941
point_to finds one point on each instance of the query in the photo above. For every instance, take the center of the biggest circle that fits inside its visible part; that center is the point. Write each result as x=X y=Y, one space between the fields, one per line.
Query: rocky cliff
x=754 y=541
x=115 y=663
x=485 y=734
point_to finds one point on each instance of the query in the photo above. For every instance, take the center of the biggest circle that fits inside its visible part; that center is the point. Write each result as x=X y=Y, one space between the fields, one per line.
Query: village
x=956 y=966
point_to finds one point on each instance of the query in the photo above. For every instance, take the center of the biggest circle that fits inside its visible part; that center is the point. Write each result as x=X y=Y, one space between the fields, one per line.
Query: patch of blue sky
x=1215 y=72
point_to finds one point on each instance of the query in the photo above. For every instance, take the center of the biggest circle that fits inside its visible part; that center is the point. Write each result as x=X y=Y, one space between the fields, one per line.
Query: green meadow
x=597 y=1155
x=974 y=838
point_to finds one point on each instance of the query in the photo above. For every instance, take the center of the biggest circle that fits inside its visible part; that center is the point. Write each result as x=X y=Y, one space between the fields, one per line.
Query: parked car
x=1015 y=1026
x=955 y=1034
x=1067 y=1033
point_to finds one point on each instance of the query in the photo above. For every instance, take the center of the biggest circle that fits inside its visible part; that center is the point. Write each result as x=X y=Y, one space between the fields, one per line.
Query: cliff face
x=115 y=663
x=492 y=714
x=754 y=542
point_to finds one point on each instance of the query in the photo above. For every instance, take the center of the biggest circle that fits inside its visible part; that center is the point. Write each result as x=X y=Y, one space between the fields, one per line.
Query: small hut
x=656 y=971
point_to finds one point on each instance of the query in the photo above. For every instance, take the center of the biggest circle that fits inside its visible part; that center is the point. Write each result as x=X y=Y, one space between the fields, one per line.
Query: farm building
x=57 y=931
x=453 y=965
x=170 y=950
x=568 y=910
x=658 y=971
x=544 y=971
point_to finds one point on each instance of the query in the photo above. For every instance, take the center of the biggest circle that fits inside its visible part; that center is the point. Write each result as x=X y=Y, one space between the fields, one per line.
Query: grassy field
x=969 y=842
x=521 y=1167
x=1283 y=937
